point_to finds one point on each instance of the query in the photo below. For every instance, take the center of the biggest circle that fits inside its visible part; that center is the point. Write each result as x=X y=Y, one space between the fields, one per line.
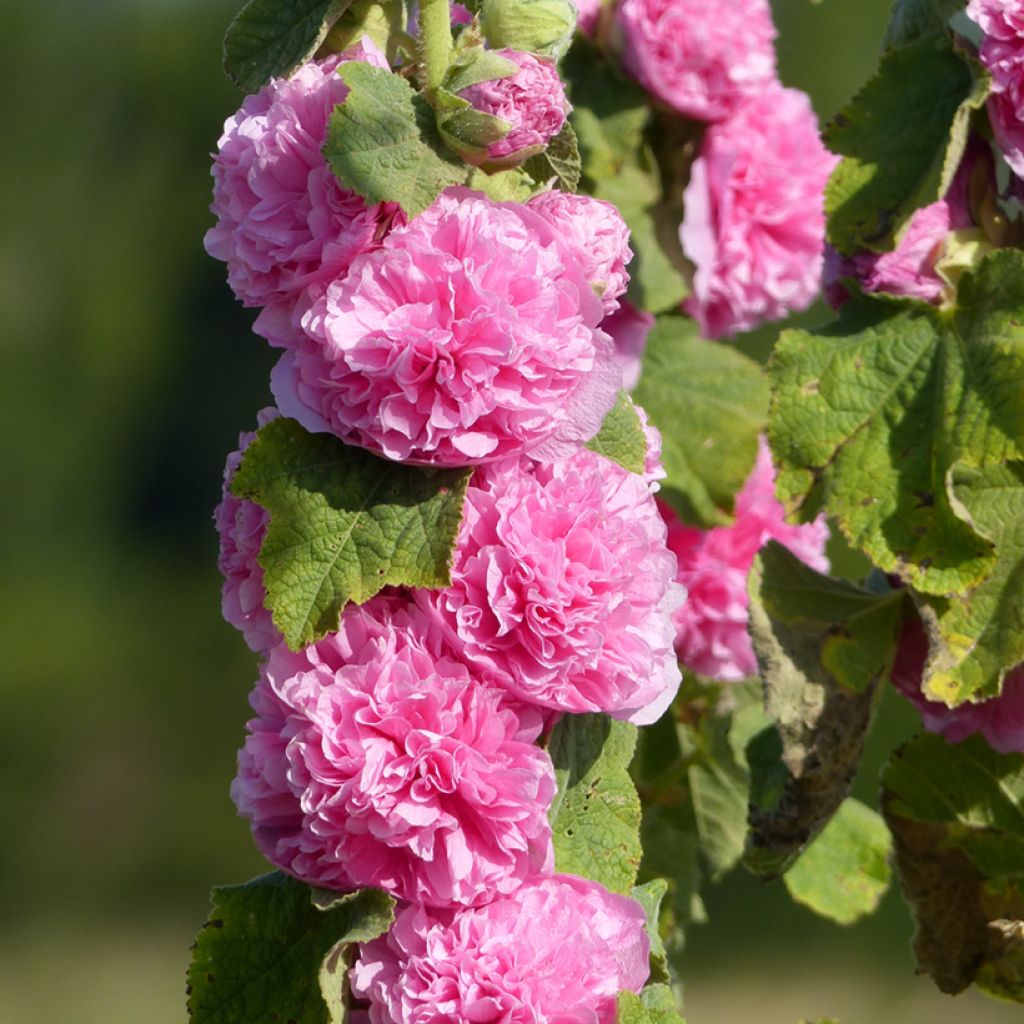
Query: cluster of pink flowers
x=401 y=751
x=754 y=221
x=711 y=637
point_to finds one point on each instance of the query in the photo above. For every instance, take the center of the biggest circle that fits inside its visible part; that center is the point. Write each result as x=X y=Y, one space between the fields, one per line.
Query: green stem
x=435 y=42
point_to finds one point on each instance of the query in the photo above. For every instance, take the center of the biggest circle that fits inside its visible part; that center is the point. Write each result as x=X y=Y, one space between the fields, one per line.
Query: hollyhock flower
x=532 y=102
x=755 y=225
x=377 y=759
x=558 y=951
x=653 y=468
x=703 y=59
x=588 y=13
x=241 y=525
x=711 y=637
x=629 y=327
x=1000 y=720
x=562 y=587
x=466 y=337
x=284 y=223
x=596 y=238
x=1002 y=52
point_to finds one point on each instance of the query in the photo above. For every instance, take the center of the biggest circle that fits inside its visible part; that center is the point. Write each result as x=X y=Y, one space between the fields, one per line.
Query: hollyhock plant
x=754 y=226
x=241 y=525
x=711 y=627
x=596 y=238
x=562 y=587
x=1000 y=720
x=284 y=223
x=558 y=951
x=468 y=336
x=532 y=102
x=702 y=59
x=1002 y=53
x=377 y=759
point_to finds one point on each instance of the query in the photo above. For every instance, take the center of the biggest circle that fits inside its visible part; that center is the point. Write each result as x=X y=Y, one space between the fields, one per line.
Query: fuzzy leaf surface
x=654 y=1005
x=595 y=816
x=343 y=525
x=621 y=437
x=255 y=959
x=710 y=403
x=383 y=142
x=560 y=160
x=271 y=38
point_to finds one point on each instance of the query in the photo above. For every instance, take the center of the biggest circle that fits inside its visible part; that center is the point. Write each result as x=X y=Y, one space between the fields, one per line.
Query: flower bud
x=539 y=26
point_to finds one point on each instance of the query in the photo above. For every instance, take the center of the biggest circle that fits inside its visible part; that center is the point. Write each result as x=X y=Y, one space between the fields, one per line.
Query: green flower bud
x=537 y=26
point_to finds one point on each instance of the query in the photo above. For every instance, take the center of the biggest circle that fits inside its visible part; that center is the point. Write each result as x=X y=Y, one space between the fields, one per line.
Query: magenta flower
x=241 y=525
x=466 y=337
x=629 y=327
x=1000 y=719
x=711 y=637
x=596 y=238
x=377 y=759
x=562 y=587
x=702 y=58
x=1002 y=52
x=532 y=102
x=284 y=223
x=755 y=224
x=558 y=951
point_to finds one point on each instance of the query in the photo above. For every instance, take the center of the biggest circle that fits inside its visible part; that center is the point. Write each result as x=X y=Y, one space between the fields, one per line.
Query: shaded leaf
x=650 y=896
x=559 y=160
x=621 y=437
x=914 y=19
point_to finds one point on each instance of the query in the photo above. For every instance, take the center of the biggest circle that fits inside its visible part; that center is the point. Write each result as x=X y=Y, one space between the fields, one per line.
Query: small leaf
x=650 y=896
x=263 y=944
x=844 y=873
x=383 y=142
x=822 y=646
x=710 y=403
x=271 y=38
x=559 y=160
x=343 y=525
x=654 y=1005
x=621 y=437
x=476 y=65
x=595 y=816
x=886 y=175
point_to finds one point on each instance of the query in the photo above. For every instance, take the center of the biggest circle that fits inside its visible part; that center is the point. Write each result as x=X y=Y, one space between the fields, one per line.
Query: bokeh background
x=127 y=373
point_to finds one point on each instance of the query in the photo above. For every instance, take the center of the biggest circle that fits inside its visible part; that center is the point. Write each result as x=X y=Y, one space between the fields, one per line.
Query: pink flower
x=629 y=327
x=377 y=759
x=466 y=337
x=532 y=102
x=1000 y=720
x=558 y=951
x=588 y=13
x=562 y=587
x=241 y=525
x=596 y=238
x=711 y=637
x=284 y=223
x=1002 y=52
x=653 y=468
x=755 y=223
x=702 y=57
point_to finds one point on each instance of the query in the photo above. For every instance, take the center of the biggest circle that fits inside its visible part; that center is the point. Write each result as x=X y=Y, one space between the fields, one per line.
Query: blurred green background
x=128 y=371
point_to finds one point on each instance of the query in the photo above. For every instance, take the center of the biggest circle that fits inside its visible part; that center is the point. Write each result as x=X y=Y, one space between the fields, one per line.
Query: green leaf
x=710 y=403
x=383 y=142
x=595 y=816
x=650 y=896
x=878 y=410
x=271 y=38
x=559 y=160
x=654 y=1005
x=343 y=525
x=476 y=65
x=844 y=873
x=889 y=174
x=913 y=19
x=621 y=437
x=822 y=646
x=513 y=185
x=957 y=817
x=265 y=941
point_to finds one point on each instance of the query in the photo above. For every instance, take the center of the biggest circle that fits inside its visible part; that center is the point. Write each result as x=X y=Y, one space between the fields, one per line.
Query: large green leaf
x=957 y=817
x=383 y=143
x=559 y=160
x=877 y=412
x=343 y=525
x=595 y=816
x=621 y=437
x=913 y=19
x=273 y=37
x=265 y=943
x=710 y=403
x=887 y=173
x=844 y=873
x=822 y=646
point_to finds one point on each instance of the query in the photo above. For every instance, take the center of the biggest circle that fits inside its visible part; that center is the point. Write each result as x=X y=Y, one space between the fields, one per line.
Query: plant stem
x=435 y=42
